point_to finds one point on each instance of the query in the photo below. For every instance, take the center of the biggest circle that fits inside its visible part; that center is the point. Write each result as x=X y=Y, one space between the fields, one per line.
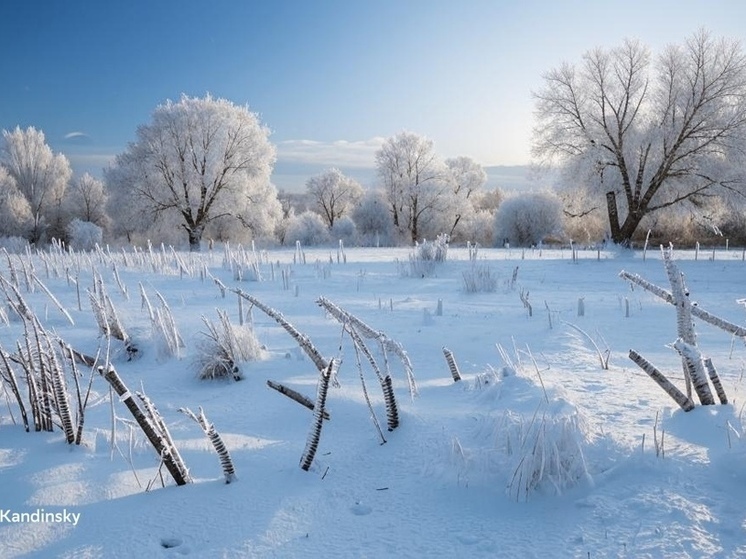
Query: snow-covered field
x=537 y=452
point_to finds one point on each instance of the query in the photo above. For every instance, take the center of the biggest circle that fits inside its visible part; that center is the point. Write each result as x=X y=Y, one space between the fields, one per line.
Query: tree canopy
x=198 y=161
x=640 y=135
x=38 y=174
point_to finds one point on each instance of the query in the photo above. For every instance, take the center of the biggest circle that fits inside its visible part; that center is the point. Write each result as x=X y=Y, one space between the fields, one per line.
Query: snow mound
x=527 y=438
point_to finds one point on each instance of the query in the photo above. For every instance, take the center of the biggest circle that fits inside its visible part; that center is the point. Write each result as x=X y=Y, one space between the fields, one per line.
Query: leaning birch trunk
x=44 y=389
x=697 y=311
x=344 y=317
x=14 y=387
x=692 y=359
x=312 y=443
x=389 y=398
x=392 y=411
x=294 y=395
x=226 y=463
x=32 y=389
x=60 y=391
x=679 y=397
x=715 y=378
x=157 y=420
x=452 y=365
x=145 y=424
x=684 y=325
x=302 y=340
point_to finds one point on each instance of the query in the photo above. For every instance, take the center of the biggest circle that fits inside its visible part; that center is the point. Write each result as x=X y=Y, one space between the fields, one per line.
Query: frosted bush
x=344 y=229
x=373 y=221
x=84 y=235
x=425 y=258
x=436 y=250
x=478 y=227
x=527 y=218
x=308 y=228
x=14 y=245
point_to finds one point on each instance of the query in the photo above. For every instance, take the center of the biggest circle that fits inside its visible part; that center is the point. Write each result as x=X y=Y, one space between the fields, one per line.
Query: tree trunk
x=195 y=239
x=613 y=216
x=622 y=234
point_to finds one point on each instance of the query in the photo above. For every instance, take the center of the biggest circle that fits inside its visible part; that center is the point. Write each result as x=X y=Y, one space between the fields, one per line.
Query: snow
x=537 y=452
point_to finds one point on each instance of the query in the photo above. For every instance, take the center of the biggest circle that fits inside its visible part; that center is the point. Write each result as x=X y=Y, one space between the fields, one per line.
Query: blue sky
x=331 y=78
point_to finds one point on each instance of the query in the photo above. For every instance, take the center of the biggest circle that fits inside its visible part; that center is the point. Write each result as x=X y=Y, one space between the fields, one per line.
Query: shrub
x=84 y=235
x=308 y=228
x=373 y=220
x=14 y=245
x=425 y=258
x=527 y=218
x=344 y=229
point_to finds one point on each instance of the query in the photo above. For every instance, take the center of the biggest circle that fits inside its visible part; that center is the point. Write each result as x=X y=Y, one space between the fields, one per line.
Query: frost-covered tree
x=199 y=160
x=488 y=200
x=40 y=175
x=373 y=220
x=414 y=181
x=644 y=135
x=334 y=194
x=309 y=228
x=86 y=200
x=467 y=176
x=527 y=218
x=131 y=214
x=15 y=212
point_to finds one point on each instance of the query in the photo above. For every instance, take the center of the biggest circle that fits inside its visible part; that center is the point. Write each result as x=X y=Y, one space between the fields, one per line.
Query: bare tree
x=87 y=199
x=334 y=194
x=40 y=175
x=414 y=181
x=200 y=160
x=642 y=136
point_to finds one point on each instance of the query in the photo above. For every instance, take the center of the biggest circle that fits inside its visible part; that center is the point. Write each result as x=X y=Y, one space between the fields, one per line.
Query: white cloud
x=340 y=153
x=77 y=136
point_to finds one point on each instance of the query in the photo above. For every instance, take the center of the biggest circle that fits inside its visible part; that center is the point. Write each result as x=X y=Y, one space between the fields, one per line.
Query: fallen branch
x=679 y=397
x=145 y=424
x=294 y=395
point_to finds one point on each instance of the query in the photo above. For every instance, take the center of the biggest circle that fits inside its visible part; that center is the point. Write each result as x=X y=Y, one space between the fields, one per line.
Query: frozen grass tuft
x=479 y=279
x=425 y=258
x=529 y=440
x=223 y=347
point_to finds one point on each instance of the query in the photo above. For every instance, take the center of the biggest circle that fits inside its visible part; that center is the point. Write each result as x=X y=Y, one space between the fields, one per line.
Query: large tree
x=414 y=180
x=198 y=160
x=642 y=135
x=334 y=194
x=40 y=175
x=466 y=177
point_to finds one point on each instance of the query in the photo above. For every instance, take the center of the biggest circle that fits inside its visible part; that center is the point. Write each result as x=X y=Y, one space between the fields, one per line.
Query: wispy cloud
x=340 y=153
x=77 y=137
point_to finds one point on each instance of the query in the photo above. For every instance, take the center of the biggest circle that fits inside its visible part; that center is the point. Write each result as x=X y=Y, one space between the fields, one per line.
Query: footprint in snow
x=359 y=509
